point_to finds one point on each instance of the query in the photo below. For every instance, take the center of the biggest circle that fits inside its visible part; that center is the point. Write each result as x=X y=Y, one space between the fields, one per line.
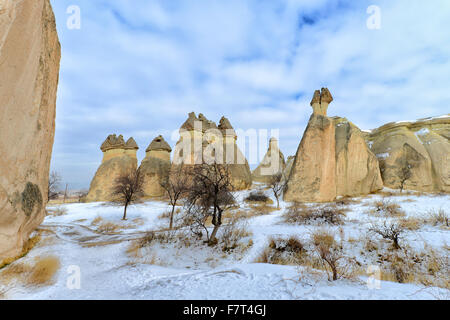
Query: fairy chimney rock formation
x=156 y=167
x=332 y=159
x=30 y=53
x=202 y=141
x=119 y=157
x=320 y=101
x=272 y=164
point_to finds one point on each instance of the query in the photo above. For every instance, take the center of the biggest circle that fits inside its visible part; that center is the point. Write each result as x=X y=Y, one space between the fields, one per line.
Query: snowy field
x=92 y=239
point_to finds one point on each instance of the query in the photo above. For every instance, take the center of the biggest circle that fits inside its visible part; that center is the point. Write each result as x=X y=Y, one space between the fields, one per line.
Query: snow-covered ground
x=196 y=271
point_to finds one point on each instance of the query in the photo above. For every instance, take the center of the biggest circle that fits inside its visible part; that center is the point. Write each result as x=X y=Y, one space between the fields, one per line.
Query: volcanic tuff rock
x=287 y=170
x=202 y=141
x=332 y=160
x=156 y=167
x=119 y=157
x=29 y=69
x=423 y=146
x=272 y=164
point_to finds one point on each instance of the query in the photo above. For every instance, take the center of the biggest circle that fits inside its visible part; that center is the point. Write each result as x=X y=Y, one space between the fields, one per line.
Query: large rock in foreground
x=29 y=68
x=416 y=152
x=332 y=160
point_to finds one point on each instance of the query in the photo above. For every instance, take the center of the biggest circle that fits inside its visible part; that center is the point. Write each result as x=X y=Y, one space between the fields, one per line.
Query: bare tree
x=210 y=194
x=277 y=184
x=176 y=187
x=128 y=188
x=390 y=231
x=53 y=185
x=328 y=251
x=404 y=175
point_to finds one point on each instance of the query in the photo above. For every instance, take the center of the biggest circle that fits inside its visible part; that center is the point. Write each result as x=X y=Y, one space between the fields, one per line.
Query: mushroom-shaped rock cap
x=190 y=122
x=159 y=144
x=131 y=144
x=226 y=127
x=325 y=96
x=273 y=142
x=206 y=124
x=316 y=97
x=113 y=142
x=322 y=96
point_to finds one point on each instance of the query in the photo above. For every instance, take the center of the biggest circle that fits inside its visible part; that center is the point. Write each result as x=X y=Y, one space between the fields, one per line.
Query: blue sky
x=138 y=67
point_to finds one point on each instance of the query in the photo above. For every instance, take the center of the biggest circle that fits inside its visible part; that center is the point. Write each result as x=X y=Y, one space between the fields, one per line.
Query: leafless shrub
x=389 y=231
x=257 y=197
x=277 y=184
x=53 y=185
x=283 y=251
x=329 y=252
x=234 y=231
x=299 y=213
x=128 y=188
x=176 y=187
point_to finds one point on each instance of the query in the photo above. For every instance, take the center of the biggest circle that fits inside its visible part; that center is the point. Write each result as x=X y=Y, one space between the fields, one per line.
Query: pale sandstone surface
x=119 y=157
x=423 y=146
x=332 y=159
x=272 y=164
x=156 y=167
x=202 y=141
x=29 y=70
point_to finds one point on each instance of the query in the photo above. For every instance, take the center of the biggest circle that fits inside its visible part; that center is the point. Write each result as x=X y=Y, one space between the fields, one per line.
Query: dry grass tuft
x=411 y=224
x=56 y=212
x=262 y=209
x=30 y=244
x=43 y=271
x=108 y=227
x=387 y=208
x=97 y=221
x=438 y=218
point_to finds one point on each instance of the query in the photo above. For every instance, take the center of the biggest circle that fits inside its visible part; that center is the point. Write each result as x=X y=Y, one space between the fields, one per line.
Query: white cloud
x=138 y=67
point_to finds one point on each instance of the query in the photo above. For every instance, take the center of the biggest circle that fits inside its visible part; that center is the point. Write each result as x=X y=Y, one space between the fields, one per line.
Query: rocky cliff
x=332 y=159
x=416 y=152
x=29 y=69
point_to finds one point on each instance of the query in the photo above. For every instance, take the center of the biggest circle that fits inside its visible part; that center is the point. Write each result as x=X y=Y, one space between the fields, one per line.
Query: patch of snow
x=199 y=272
x=383 y=155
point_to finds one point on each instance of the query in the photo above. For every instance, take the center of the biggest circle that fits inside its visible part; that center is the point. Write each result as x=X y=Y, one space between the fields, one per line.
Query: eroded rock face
x=156 y=167
x=272 y=164
x=422 y=146
x=119 y=157
x=287 y=170
x=29 y=69
x=332 y=160
x=202 y=141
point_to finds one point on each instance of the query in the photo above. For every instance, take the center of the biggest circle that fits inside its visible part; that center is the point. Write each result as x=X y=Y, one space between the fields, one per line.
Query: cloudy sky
x=138 y=67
